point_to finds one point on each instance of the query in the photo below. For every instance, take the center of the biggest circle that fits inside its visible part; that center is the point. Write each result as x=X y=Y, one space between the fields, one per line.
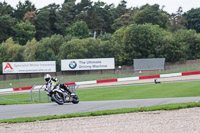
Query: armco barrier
x=110 y=80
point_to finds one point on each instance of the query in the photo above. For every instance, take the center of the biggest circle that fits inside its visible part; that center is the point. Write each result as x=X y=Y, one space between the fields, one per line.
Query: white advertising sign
x=29 y=67
x=87 y=64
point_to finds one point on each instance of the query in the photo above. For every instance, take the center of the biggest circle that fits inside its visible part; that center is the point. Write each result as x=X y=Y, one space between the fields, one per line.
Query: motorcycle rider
x=53 y=82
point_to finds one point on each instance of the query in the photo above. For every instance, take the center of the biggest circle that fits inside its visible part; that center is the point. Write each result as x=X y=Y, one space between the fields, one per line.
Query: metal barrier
x=37 y=95
x=73 y=88
x=32 y=93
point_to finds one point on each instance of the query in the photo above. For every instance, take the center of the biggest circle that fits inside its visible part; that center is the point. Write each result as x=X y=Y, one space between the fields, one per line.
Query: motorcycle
x=61 y=96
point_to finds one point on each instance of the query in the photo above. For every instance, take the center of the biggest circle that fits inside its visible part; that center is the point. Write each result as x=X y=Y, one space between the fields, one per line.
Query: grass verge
x=106 y=112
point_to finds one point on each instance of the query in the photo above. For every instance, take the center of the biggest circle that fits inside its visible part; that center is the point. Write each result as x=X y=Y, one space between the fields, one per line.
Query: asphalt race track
x=31 y=110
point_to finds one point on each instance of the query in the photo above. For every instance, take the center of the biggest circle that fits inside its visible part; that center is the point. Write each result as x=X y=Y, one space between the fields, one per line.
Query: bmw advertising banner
x=87 y=64
x=29 y=67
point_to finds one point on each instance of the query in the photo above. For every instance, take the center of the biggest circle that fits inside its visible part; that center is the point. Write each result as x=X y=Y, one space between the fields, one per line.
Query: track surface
x=30 y=110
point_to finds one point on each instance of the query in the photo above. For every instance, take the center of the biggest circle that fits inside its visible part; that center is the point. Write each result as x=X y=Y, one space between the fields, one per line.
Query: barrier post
x=32 y=99
x=40 y=93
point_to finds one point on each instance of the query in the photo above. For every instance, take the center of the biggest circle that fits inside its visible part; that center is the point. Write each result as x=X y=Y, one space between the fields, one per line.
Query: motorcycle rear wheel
x=57 y=97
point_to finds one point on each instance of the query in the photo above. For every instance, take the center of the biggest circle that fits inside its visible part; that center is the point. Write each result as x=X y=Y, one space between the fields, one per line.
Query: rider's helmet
x=47 y=77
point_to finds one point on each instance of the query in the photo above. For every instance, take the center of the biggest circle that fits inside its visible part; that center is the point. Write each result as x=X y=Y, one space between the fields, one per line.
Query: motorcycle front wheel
x=57 y=97
x=75 y=100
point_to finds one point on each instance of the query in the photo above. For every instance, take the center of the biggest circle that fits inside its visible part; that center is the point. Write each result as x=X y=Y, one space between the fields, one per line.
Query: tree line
x=97 y=30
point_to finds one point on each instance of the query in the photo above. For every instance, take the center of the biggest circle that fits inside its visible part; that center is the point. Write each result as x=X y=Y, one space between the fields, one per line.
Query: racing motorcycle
x=61 y=96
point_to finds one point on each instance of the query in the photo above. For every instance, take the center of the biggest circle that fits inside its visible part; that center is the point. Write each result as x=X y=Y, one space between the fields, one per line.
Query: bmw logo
x=72 y=64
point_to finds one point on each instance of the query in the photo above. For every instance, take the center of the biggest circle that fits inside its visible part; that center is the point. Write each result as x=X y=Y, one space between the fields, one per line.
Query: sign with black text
x=87 y=64
x=29 y=67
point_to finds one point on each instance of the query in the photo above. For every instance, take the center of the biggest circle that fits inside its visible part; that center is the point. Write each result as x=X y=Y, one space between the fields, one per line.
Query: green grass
x=164 y=90
x=107 y=112
x=78 y=78
x=24 y=98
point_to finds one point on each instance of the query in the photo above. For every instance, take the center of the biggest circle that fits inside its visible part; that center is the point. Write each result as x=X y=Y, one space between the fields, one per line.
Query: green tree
x=86 y=48
x=107 y=46
x=83 y=6
x=78 y=29
x=121 y=9
x=151 y=14
x=176 y=21
x=5 y=9
x=105 y=37
x=166 y=47
x=97 y=48
x=73 y=49
x=119 y=46
x=192 y=18
x=95 y=22
x=42 y=24
x=83 y=11
x=184 y=45
x=24 y=32
x=150 y=41
x=54 y=19
x=94 y=48
x=195 y=53
x=44 y=54
x=108 y=17
x=6 y=27
x=48 y=48
x=23 y=8
x=65 y=16
x=101 y=18
x=49 y=21
x=54 y=43
x=30 y=50
x=30 y=16
x=124 y=20
x=137 y=41
x=10 y=51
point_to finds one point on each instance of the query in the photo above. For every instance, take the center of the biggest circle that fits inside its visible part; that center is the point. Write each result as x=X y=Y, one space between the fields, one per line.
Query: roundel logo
x=72 y=64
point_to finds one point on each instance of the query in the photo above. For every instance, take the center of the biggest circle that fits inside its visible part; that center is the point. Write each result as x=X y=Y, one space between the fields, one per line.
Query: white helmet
x=47 y=77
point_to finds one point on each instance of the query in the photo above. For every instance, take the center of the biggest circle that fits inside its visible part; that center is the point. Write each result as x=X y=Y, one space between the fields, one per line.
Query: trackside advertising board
x=29 y=67
x=87 y=64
